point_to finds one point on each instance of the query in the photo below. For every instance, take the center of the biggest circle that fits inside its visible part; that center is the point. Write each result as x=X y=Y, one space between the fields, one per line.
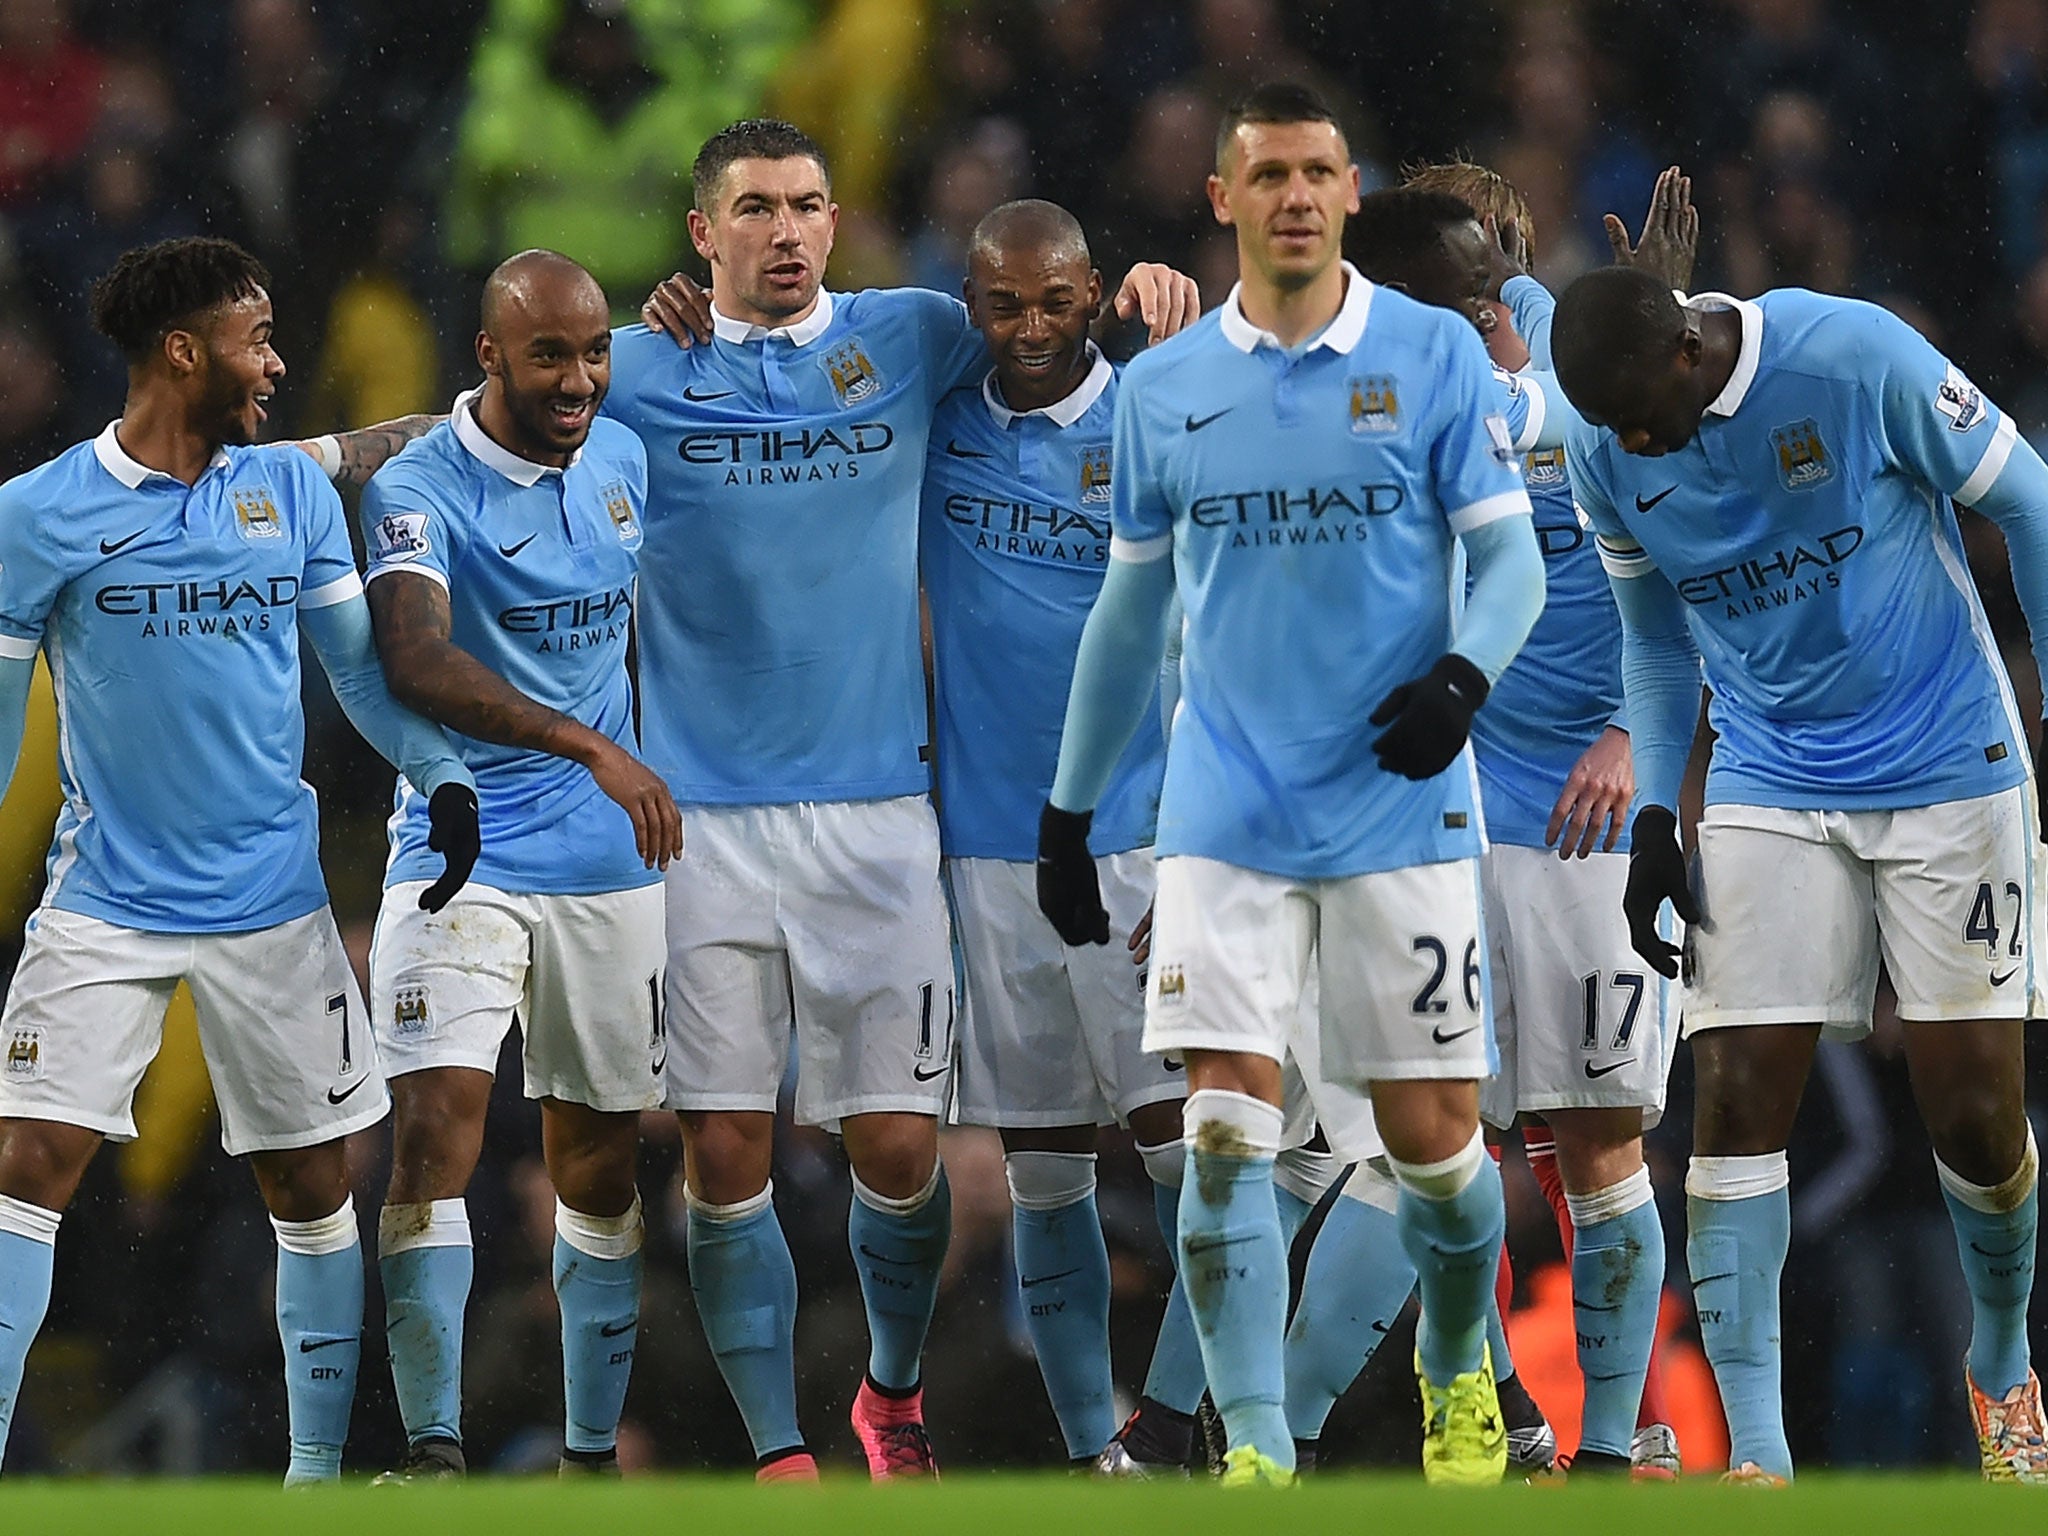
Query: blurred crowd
x=381 y=157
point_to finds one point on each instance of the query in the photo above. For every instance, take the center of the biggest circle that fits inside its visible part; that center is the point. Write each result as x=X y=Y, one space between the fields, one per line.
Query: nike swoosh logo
x=661 y=1065
x=882 y=1258
x=509 y=550
x=1196 y=423
x=110 y=546
x=1613 y=1066
x=336 y=1098
x=924 y=1077
x=1437 y=1034
x=701 y=396
x=1045 y=1279
x=1999 y=981
x=1171 y=1065
x=307 y=1346
x=1380 y=1327
x=1220 y=1243
x=613 y=1330
x=2003 y=1254
x=1644 y=506
x=954 y=448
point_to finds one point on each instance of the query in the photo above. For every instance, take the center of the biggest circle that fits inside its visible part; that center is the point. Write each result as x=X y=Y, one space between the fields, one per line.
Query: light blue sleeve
x=1531 y=304
x=2017 y=502
x=1660 y=680
x=344 y=642
x=1115 y=676
x=1138 y=509
x=1506 y=595
x=1473 y=462
x=17 y=676
x=1537 y=413
x=1169 y=670
x=404 y=526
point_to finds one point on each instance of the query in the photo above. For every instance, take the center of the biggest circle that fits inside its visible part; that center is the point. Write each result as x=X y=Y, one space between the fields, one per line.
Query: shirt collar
x=470 y=433
x=801 y=334
x=1340 y=335
x=131 y=472
x=1061 y=413
x=1752 y=317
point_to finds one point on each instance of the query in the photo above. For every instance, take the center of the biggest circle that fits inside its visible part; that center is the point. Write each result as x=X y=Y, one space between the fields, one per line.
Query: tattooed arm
x=430 y=673
x=350 y=458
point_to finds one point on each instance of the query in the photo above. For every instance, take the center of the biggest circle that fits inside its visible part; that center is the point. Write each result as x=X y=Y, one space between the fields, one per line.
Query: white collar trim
x=470 y=433
x=801 y=334
x=1340 y=335
x=1752 y=317
x=132 y=472
x=1061 y=413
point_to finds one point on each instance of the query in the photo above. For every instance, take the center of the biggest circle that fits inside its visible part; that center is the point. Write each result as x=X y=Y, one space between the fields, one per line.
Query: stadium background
x=380 y=157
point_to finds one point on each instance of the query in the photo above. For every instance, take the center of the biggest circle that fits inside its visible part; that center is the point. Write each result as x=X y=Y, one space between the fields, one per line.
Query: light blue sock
x=1175 y=1378
x=1293 y=1212
x=1738 y=1219
x=898 y=1248
x=1063 y=1278
x=425 y=1257
x=597 y=1282
x=1452 y=1218
x=320 y=1322
x=744 y=1283
x=28 y=1250
x=1617 y=1283
x=1301 y=1177
x=1234 y=1263
x=1995 y=1229
x=1497 y=1333
x=1357 y=1282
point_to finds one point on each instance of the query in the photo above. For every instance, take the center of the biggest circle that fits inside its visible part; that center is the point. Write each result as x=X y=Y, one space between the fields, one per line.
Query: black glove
x=1431 y=716
x=451 y=816
x=1067 y=890
x=1656 y=874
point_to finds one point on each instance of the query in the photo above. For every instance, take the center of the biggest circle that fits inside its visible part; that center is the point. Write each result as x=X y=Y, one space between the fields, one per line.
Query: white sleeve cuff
x=406 y=568
x=1140 y=551
x=1490 y=509
x=339 y=590
x=1539 y=407
x=1988 y=469
x=1620 y=558
x=15 y=648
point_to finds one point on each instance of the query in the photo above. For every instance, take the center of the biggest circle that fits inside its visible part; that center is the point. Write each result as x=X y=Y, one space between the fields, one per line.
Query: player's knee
x=1977 y=1133
x=898 y=1164
x=727 y=1156
x=304 y=1183
x=437 y=1127
x=41 y=1162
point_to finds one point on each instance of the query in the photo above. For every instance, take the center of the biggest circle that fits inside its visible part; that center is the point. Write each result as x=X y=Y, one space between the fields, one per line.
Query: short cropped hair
x=1395 y=228
x=1275 y=101
x=753 y=138
x=1613 y=324
x=155 y=289
x=1487 y=191
x=1030 y=221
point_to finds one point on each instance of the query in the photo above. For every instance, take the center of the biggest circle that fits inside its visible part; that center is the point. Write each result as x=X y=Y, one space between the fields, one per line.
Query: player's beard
x=222 y=408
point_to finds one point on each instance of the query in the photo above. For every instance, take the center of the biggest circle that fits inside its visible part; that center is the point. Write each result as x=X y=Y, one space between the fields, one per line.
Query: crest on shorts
x=1803 y=459
x=853 y=377
x=1173 y=986
x=256 y=513
x=410 y=1016
x=1375 y=404
x=24 y=1063
x=618 y=505
x=1095 y=475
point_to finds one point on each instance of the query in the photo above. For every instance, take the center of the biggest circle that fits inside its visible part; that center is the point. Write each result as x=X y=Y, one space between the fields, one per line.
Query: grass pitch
x=1053 y=1505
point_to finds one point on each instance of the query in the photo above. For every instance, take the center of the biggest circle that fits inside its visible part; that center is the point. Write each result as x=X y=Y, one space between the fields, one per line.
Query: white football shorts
x=281 y=1024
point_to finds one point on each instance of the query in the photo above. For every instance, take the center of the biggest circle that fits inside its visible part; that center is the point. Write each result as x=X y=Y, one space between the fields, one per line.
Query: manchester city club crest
x=1095 y=475
x=256 y=513
x=1375 y=404
x=1544 y=468
x=411 y=1018
x=1803 y=459
x=618 y=502
x=853 y=377
x=24 y=1060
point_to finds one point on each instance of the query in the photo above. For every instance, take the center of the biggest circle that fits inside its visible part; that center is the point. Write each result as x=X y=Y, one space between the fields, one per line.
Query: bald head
x=538 y=283
x=546 y=352
x=1031 y=226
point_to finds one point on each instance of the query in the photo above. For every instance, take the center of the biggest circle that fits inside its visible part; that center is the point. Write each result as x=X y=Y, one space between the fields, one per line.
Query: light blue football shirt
x=539 y=565
x=779 y=650
x=1809 y=528
x=1015 y=542
x=1310 y=499
x=170 y=619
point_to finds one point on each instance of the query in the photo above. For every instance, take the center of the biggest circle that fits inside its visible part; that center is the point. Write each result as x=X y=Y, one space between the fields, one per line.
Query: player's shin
x=1175 y=1380
x=1301 y=1177
x=1738 y=1217
x=1357 y=1282
x=427 y=1263
x=1063 y=1277
x=320 y=1322
x=597 y=1282
x=899 y=1246
x=1995 y=1233
x=28 y=1251
x=1452 y=1219
x=744 y=1283
x=1617 y=1282
x=1234 y=1265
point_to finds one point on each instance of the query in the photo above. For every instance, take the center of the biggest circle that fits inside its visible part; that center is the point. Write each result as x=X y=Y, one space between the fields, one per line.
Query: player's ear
x=1351 y=187
x=700 y=236
x=1094 y=293
x=1219 y=199
x=487 y=353
x=967 y=298
x=182 y=350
